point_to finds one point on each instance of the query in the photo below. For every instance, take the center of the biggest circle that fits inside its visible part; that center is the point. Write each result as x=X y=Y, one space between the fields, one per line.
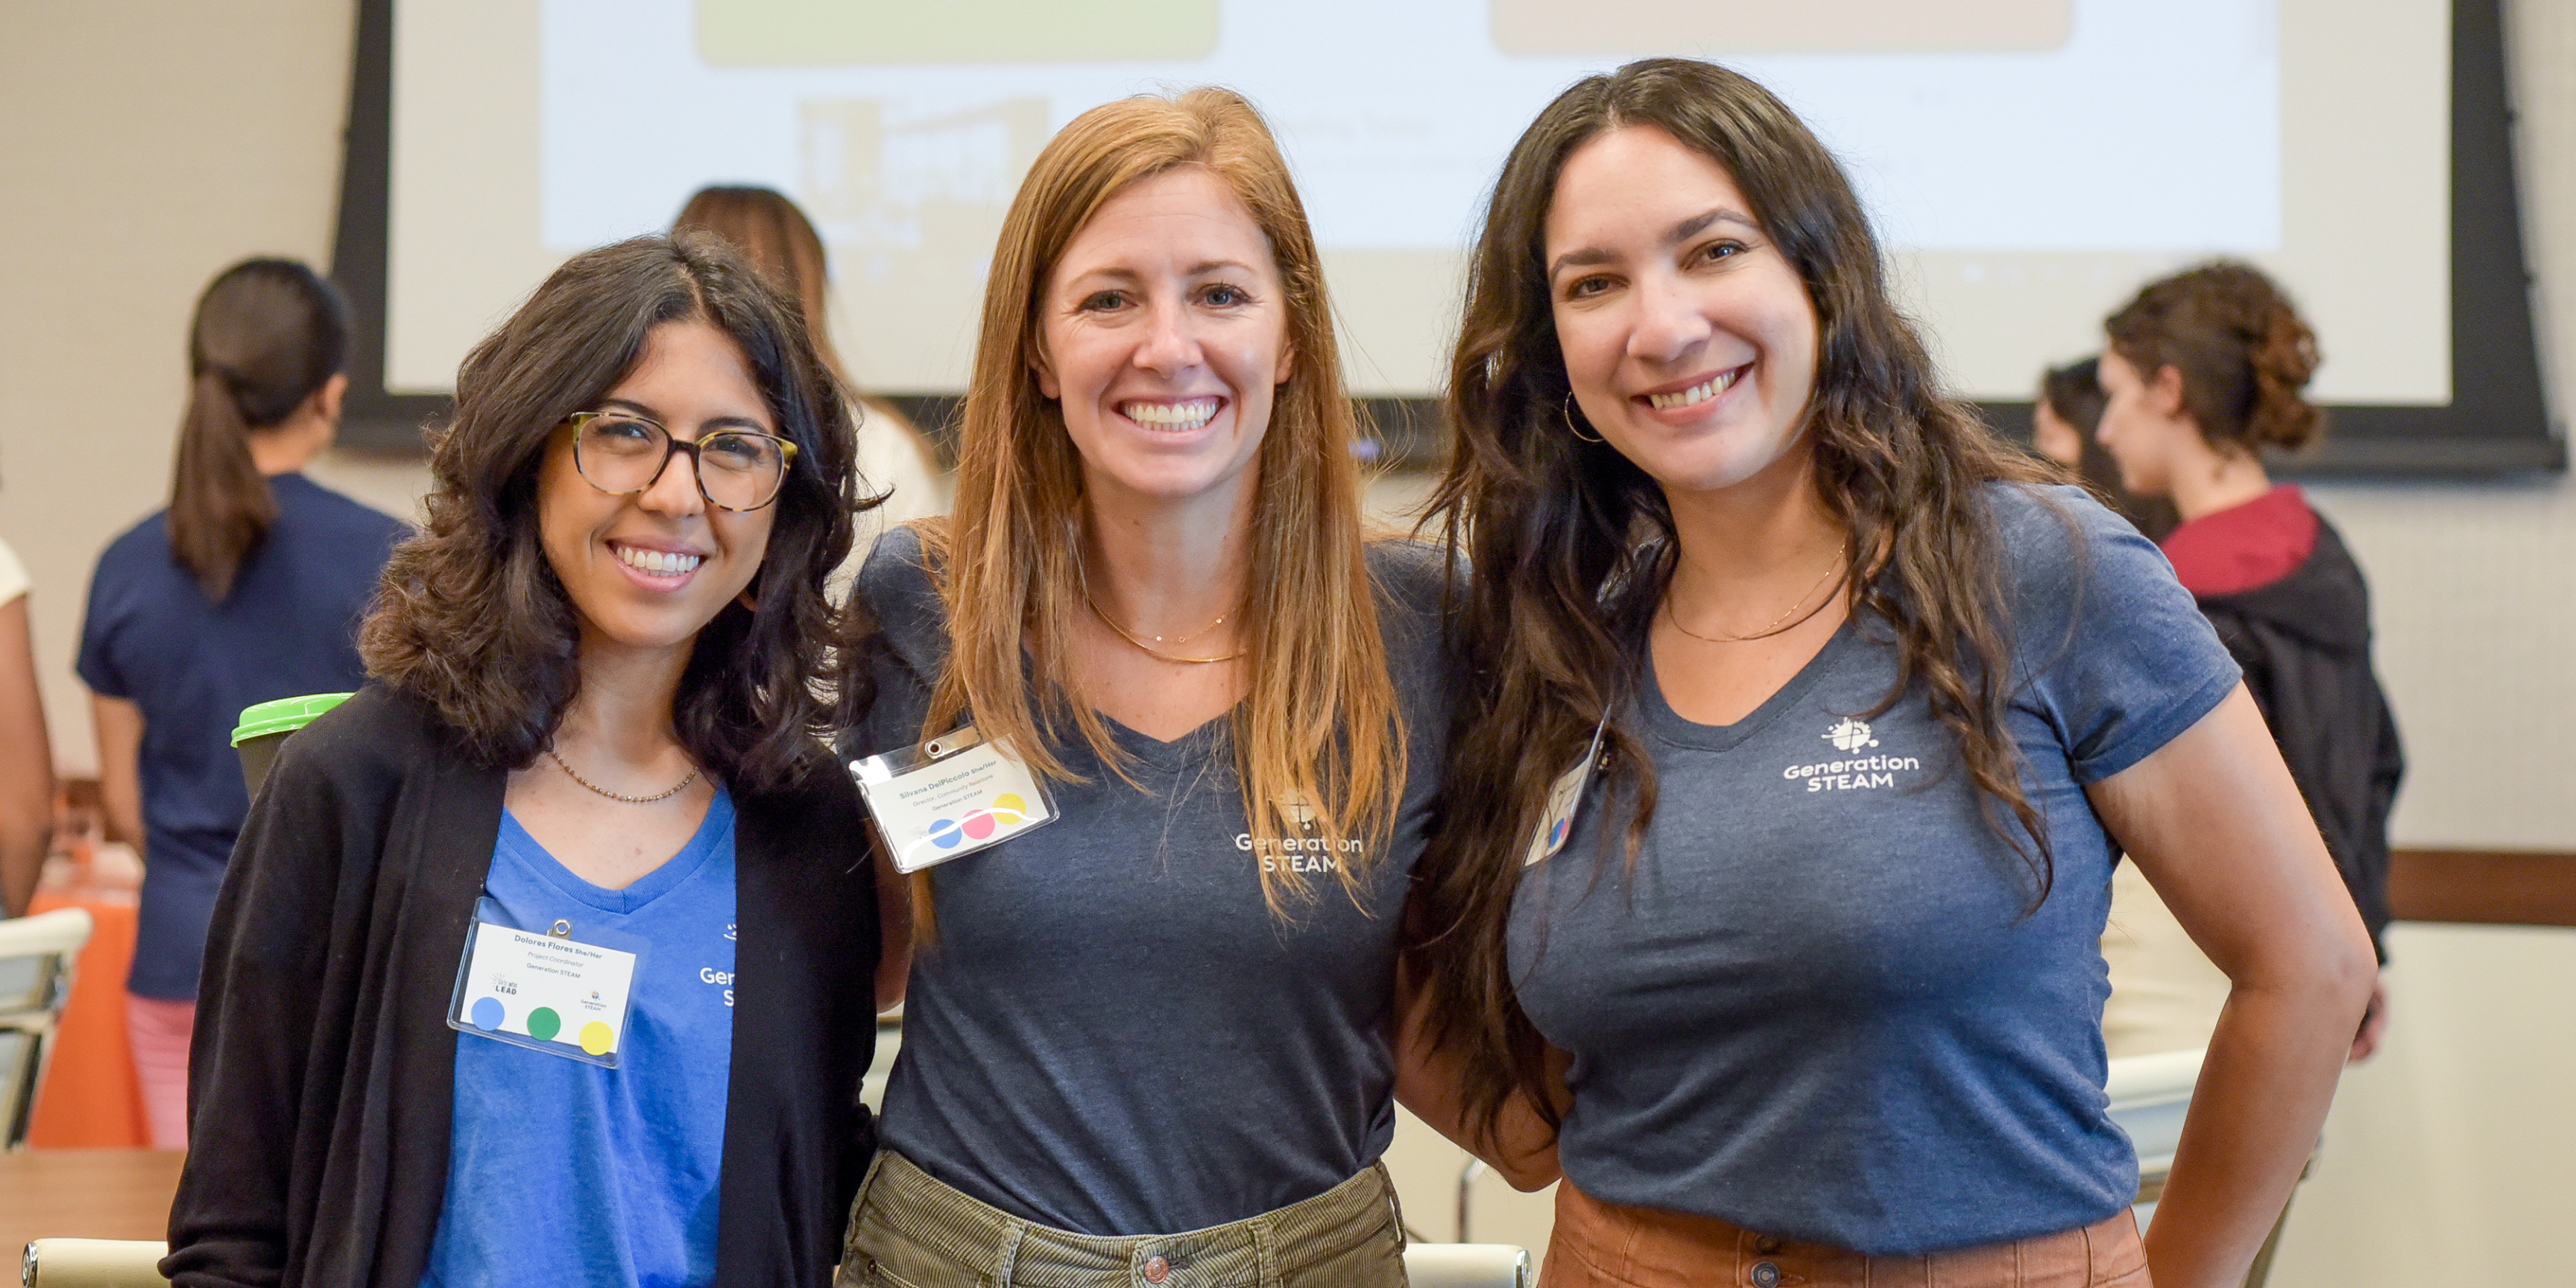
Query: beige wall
x=149 y=144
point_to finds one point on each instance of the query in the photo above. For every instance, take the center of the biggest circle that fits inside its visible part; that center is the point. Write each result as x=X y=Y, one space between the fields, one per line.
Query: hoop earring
x=1566 y=413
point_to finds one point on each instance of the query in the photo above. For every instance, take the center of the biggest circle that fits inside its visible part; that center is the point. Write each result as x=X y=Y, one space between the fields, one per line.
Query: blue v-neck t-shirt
x=1827 y=1001
x=564 y=1173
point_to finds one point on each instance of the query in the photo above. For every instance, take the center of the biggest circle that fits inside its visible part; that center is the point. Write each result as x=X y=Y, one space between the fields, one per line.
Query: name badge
x=949 y=797
x=1563 y=799
x=544 y=991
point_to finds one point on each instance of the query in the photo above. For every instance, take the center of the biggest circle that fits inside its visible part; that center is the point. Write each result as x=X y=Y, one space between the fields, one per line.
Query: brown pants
x=1609 y=1245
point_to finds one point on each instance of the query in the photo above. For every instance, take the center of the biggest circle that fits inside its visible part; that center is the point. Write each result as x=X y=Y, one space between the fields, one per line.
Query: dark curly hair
x=2242 y=351
x=1573 y=545
x=471 y=619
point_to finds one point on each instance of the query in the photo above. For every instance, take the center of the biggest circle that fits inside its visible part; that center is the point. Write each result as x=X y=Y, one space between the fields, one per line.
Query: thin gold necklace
x=1779 y=625
x=675 y=789
x=1083 y=570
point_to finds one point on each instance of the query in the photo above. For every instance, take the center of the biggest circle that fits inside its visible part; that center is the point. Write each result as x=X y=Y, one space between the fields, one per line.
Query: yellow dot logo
x=596 y=1039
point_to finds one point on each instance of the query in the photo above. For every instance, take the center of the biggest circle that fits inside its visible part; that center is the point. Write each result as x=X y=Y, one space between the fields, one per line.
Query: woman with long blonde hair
x=1168 y=1008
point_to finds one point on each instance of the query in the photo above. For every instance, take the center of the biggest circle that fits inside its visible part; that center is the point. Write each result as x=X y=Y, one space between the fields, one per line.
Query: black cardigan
x=2304 y=642
x=322 y=1078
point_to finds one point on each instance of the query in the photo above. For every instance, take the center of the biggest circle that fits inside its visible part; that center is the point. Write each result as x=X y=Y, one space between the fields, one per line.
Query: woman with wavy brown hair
x=1810 y=974
x=2205 y=373
x=1167 y=1009
x=546 y=957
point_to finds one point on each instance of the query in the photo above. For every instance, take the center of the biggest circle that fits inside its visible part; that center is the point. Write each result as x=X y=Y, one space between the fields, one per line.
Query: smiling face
x=1165 y=332
x=1688 y=337
x=645 y=572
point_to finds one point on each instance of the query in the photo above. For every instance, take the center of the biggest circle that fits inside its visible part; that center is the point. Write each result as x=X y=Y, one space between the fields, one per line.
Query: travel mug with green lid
x=266 y=725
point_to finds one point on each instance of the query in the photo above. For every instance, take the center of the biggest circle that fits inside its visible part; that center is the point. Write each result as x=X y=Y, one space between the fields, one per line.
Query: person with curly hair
x=2205 y=372
x=588 y=739
x=1847 y=702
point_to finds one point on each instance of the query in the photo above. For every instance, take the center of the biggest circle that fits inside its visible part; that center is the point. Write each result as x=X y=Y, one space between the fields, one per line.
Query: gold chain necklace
x=674 y=790
x=1779 y=625
x=1084 y=571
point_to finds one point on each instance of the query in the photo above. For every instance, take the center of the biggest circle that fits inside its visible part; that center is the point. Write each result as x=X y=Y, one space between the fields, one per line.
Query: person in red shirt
x=2204 y=371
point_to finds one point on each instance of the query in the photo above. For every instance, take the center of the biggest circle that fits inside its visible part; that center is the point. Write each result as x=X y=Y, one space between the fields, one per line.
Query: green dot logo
x=543 y=1024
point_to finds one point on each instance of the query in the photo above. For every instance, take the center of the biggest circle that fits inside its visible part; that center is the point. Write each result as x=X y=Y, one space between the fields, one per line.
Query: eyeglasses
x=621 y=453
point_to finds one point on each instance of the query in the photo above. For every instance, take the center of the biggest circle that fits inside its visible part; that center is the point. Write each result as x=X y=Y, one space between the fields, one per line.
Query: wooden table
x=85 y=1194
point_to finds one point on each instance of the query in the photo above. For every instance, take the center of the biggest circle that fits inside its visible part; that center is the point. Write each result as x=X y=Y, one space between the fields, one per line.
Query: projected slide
x=2031 y=160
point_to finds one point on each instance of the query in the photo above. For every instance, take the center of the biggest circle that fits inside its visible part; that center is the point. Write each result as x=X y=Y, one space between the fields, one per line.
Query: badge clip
x=1564 y=798
x=949 y=796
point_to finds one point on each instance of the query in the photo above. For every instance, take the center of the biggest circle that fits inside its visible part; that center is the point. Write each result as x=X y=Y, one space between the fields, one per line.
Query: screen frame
x=2499 y=420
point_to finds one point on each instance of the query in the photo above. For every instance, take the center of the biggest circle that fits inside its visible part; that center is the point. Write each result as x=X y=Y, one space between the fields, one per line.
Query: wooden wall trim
x=2484 y=887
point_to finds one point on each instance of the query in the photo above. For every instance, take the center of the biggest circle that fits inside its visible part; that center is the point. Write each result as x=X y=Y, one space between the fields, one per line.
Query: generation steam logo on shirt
x=1858 y=773
x=1305 y=852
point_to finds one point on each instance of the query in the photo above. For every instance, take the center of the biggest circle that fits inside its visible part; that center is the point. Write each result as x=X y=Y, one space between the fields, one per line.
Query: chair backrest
x=1468 y=1265
x=93 y=1263
x=37 y=956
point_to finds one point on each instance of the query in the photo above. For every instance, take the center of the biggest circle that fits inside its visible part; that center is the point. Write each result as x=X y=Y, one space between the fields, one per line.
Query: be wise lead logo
x=1858 y=773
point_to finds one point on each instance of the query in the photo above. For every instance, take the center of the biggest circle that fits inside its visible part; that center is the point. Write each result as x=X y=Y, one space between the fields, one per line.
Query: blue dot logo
x=946 y=834
x=487 y=1013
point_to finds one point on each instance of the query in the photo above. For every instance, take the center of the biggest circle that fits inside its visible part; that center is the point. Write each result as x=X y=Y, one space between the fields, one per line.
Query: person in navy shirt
x=249 y=587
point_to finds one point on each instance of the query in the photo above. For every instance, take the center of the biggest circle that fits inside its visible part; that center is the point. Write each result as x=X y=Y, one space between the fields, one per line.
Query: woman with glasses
x=547 y=957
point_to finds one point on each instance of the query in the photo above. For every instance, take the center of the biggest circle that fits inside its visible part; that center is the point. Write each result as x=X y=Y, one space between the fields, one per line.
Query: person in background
x=2165 y=994
x=248 y=588
x=2204 y=372
x=2062 y=420
x=894 y=458
x=588 y=732
x=1815 y=973
x=26 y=754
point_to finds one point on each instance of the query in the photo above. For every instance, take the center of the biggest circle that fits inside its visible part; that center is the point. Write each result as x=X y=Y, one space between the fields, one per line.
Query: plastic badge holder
x=561 y=991
x=949 y=797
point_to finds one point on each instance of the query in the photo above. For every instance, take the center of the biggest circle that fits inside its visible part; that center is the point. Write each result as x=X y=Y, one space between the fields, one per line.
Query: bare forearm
x=120 y=768
x=25 y=833
x=1429 y=1080
x=2255 y=1117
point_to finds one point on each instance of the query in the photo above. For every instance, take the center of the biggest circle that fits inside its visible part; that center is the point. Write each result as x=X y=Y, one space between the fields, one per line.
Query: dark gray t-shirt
x=1819 y=1010
x=1113 y=1033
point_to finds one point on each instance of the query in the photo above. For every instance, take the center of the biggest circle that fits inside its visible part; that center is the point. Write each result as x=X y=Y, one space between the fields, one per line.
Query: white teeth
x=1698 y=393
x=1170 y=415
x=660 y=563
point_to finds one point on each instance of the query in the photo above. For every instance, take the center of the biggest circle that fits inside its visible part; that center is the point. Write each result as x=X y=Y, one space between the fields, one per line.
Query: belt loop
x=1009 y=1263
x=1265 y=1252
x=1394 y=1206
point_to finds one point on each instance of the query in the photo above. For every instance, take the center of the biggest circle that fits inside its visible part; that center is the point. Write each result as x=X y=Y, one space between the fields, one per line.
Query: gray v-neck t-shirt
x=1113 y=1033
x=1823 y=1007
